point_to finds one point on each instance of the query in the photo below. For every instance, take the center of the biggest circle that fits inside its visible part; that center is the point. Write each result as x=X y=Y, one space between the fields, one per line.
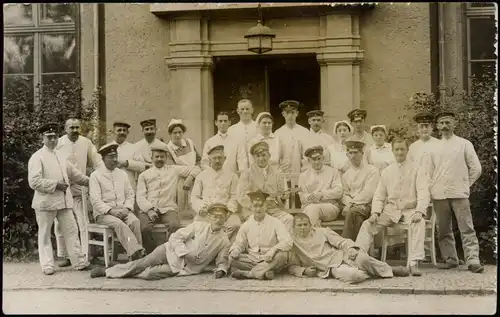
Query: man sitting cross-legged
x=320 y=188
x=188 y=251
x=157 y=193
x=264 y=177
x=261 y=244
x=321 y=252
x=402 y=195
x=112 y=199
x=216 y=184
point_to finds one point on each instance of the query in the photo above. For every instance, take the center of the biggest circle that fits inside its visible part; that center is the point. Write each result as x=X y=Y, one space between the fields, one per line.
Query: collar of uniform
x=319 y=132
x=222 y=135
x=47 y=149
x=264 y=169
x=385 y=145
x=69 y=140
x=320 y=170
x=119 y=144
x=183 y=145
x=261 y=137
x=211 y=169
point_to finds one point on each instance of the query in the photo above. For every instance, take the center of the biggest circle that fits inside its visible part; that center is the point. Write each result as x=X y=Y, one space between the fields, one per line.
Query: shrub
x=476 y=122
x=22 y=118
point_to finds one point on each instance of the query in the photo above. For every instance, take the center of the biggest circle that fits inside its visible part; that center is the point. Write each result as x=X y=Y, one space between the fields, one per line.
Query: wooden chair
x=430 y=223
x=108 y=235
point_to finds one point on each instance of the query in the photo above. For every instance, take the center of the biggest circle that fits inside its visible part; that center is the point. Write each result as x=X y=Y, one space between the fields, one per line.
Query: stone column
x=339 y=59
x=192 y=85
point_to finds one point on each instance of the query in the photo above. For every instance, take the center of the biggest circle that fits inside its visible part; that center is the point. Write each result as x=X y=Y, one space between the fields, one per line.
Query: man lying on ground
x=321 y=252
x=188 y=251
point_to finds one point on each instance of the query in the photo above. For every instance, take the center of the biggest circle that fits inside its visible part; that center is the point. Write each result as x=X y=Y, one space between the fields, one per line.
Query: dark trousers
x=354 y=219
x=170 y=219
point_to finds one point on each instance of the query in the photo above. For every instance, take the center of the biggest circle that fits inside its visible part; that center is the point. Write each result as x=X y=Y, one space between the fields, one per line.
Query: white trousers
x=82 y=220
x=68 y=229
x=369 y=230
x=321 y=212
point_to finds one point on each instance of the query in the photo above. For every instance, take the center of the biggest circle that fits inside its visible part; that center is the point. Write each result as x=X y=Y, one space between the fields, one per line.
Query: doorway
x=267 y=81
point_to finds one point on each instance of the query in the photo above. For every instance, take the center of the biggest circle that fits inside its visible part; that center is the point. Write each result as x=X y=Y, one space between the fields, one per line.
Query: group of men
x=241 y=198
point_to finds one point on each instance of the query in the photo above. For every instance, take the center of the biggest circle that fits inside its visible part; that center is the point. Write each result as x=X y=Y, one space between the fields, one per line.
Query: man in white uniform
x=126 y=152
x=320 y=188
x=157 y=193
x=316 y=121
x=426 y=142
x=49 y=175
x=243 y=131
x=453 y=169
x=358 y=117
x=216 y=185
x=112 y=199
x=262 y=244
x=142 y=147
x=296 y=139
x=402 y=195
x=80 y=151
x=221 y=138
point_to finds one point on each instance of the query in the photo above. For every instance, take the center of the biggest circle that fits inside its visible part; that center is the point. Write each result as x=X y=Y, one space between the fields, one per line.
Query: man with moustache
x=112 y=199
x=143 y=147
x=221 y=138
x=321 y=252
x=316 y=121
x=49 y=175
x=453 y=168
x=216 y=184
x=243 y=131
x=157 y=193
x=402 y=195
x=264 y=177
x=126 y=152
x=261 y=245
x=80 y=151
x=320 y=188
x=188 y=251
x=357 y=118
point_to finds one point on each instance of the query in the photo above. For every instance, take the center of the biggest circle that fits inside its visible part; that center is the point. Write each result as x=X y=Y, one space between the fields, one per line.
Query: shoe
x=269 y=275
x=414 y=271
x=400 y=271
x=447 y=265
x=138 y=255
x=65 y=263
x=476 y=268
x=239 y=275
x=48 y=271
x=88 y=267
x=98 y=272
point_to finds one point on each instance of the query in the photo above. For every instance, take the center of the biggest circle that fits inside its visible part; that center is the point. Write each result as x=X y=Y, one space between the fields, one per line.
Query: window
x=40 y=44
x=481 y=32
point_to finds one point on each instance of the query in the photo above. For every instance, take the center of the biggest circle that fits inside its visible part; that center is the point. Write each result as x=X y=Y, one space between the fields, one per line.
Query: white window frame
x=475 y=13
x=37 y=28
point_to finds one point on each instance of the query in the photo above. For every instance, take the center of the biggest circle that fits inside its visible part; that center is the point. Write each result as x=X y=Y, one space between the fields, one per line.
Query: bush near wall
x=477 y=119
x=20 y=140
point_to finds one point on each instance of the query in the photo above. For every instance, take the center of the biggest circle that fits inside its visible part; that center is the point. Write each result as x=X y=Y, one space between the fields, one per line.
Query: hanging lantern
x=260 y=37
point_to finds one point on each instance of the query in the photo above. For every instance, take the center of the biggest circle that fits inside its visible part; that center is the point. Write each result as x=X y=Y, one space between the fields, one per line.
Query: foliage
x=476 y=122
x=22 y=118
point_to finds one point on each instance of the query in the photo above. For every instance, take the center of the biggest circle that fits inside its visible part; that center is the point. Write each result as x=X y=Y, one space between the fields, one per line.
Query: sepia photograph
x=287 y=158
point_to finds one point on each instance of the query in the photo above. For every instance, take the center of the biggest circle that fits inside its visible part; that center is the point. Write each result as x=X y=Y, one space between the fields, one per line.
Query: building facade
x=189 y=61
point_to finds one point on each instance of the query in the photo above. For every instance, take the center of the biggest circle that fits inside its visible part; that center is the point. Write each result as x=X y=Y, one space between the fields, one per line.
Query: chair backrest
x=89 y=215
x=291 y=181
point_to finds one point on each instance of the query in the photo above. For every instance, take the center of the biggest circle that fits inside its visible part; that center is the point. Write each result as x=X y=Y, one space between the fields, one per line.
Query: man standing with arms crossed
x=80 y=151
x=453 y=169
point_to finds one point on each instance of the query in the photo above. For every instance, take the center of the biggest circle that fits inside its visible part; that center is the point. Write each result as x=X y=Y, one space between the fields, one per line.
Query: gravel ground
x=194 y=302
x=28 y=276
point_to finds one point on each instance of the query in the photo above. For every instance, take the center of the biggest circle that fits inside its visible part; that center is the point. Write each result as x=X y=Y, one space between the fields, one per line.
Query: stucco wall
x=396 y=43
x=136 y=74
